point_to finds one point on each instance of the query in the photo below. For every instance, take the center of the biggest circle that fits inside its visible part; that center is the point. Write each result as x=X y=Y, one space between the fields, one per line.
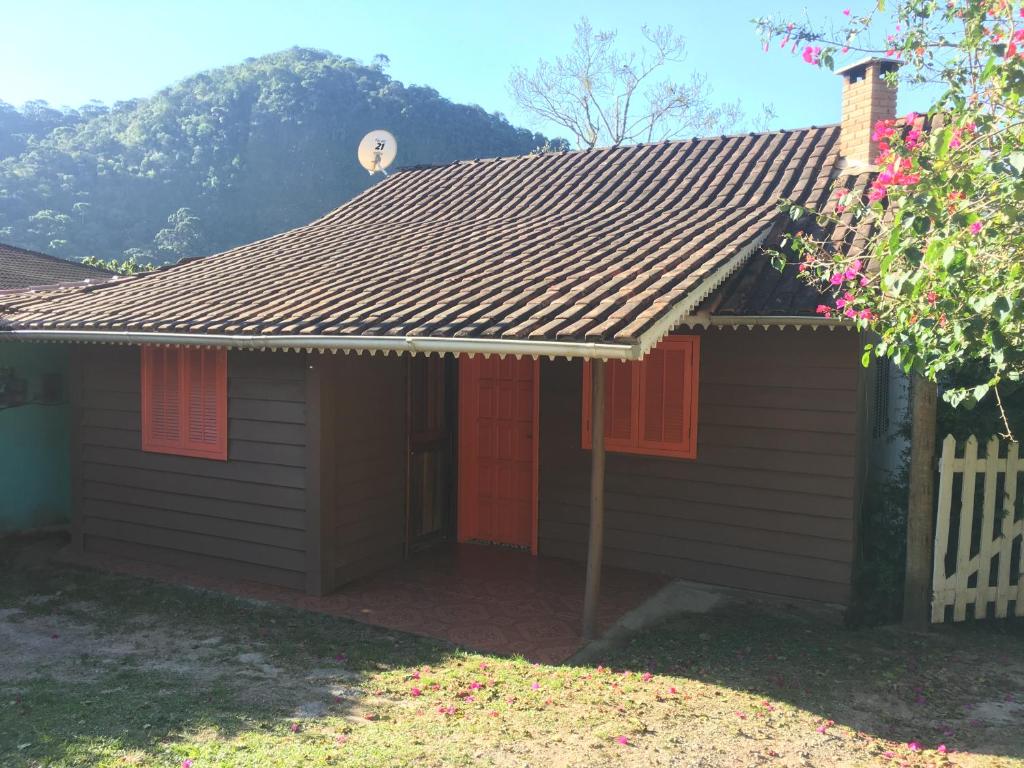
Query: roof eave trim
x=359 y=344
x=684 y=309
x=706 y=320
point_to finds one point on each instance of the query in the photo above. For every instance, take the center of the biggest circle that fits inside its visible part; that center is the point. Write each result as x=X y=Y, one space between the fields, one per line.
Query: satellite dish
x=377 y=151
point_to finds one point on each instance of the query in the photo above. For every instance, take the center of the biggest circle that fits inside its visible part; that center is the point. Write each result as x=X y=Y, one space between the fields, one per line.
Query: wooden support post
x=595 y=550
x=917 y=591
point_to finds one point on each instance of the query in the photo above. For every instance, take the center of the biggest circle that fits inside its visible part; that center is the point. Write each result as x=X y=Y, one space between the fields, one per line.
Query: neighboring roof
x=20 y=269
x=611 y=246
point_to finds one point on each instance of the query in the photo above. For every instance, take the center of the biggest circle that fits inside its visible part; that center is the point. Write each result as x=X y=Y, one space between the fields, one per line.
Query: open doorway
x=432 y=399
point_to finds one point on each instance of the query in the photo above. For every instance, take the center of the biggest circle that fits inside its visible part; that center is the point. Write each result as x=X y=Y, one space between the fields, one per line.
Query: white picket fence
x=978 y=531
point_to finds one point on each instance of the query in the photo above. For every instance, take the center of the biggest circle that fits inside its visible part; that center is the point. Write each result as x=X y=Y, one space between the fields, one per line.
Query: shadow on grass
x=77 y=687
x=962 y=686
x=244 y=671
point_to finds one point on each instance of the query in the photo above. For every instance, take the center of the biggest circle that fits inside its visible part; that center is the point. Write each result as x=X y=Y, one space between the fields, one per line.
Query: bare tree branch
x=603 y=96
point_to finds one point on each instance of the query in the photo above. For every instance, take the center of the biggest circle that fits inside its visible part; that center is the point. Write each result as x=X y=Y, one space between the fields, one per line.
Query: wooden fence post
x=920 y=506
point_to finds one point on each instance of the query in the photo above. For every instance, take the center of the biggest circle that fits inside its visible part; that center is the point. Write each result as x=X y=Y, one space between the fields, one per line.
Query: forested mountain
x=222 y=158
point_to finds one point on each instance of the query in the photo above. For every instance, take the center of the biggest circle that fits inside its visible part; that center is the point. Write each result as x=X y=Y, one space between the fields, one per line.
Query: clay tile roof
x=759 y=289
x=599 y=245
x=28 y=269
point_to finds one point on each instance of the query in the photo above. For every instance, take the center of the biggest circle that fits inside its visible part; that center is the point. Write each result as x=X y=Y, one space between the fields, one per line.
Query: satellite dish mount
x=377 y=151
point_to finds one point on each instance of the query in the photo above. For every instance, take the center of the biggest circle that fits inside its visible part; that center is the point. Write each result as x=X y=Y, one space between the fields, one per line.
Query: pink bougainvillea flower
x=673 y=690
x=295 y=727
x=876 y=193
x=913 y=746
x=187 y=763
x=475 y=685
x=846 y=11
x=975 y=227
x=942 y=749
x=622 y=740
x=824 y=310
x=415 y=692
x=415 y=675
x=536 y=686
x=883 y=130
x=837 y=278
x=812 y=54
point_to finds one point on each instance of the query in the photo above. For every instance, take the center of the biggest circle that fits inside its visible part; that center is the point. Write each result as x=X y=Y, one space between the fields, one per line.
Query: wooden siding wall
x=243 y=518
x=370 y=463
x=769 y=503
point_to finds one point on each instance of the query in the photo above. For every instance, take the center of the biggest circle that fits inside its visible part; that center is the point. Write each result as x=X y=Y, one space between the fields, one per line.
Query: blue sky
x=70 y=52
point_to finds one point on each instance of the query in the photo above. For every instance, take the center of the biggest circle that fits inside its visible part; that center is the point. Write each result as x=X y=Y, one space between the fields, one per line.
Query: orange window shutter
x=161 y=398
x=184 y=402
x=206 y=403
x=668 y=402
x=620 y=422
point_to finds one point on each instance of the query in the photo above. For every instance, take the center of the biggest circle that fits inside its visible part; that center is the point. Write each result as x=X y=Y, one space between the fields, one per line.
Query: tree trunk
x=917 y=589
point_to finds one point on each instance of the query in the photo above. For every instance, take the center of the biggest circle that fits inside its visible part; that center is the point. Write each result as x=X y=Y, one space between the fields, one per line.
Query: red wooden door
x=498 y=451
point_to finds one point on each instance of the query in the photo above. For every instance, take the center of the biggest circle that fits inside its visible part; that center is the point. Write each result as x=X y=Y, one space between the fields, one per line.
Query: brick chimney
x=867 y=98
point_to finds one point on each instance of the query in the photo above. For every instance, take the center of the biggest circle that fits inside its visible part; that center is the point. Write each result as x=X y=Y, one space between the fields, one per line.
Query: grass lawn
x=106 y=670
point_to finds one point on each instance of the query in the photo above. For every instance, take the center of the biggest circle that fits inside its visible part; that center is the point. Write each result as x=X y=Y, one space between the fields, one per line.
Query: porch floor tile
x=491 y=599
x=480 y=597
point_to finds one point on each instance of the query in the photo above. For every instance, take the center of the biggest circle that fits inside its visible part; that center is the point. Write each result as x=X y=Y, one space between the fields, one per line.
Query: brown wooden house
x=534 y=351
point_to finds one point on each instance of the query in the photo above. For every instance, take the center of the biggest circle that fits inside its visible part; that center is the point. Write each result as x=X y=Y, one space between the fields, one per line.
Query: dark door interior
x=431 y=480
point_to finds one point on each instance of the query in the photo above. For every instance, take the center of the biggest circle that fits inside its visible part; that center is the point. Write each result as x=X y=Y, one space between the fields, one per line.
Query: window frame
x=639 y=369
x=183 y=446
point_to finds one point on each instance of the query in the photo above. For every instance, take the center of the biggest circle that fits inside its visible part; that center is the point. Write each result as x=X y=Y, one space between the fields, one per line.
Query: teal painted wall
x=35 y=472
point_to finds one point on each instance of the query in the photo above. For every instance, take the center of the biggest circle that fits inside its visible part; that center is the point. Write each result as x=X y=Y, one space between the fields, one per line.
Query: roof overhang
x=681 y=313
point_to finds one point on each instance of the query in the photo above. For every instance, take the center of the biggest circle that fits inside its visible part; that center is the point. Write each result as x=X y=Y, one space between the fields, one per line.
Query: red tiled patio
x=491 y=599
x=480 y=597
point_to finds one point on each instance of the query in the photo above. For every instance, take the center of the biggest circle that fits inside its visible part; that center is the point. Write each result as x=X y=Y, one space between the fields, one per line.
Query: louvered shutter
x=184 y=402
x=206 y=402
x=620 y=424
x=650 y=406
x=161 y=398
x=668 y=399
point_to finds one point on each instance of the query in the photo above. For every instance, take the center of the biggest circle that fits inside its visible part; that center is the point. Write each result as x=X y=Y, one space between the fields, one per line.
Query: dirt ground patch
x=105 y=670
